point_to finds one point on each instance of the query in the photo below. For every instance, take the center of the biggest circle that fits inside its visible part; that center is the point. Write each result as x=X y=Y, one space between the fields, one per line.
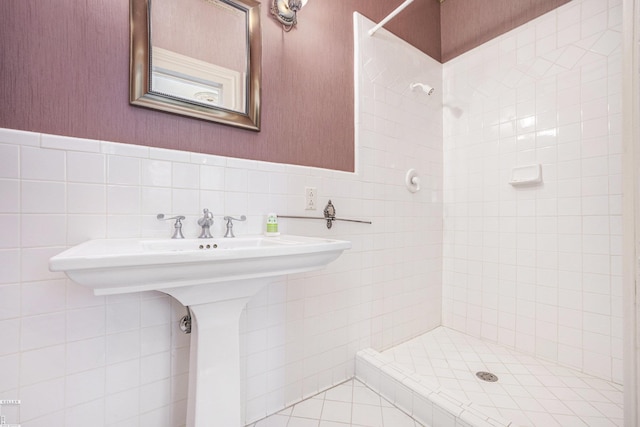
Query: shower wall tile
x=9 y=301
x=10 y=335
x=547 y=92
x=11 y=235
x=9 y=266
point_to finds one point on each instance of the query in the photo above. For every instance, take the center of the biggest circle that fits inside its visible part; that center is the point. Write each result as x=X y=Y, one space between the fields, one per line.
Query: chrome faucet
x=230 y=220
x=205 y=222
x=177 y=227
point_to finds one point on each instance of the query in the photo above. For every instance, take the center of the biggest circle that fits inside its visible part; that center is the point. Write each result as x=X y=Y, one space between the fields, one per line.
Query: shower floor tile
x=529 y=392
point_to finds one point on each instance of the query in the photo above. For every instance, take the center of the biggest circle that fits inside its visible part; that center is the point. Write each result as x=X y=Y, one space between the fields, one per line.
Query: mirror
x=198 y=58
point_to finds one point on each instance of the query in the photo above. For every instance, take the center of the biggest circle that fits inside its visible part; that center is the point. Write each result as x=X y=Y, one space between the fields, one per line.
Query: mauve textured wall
x=468 y=24
x=65 y=71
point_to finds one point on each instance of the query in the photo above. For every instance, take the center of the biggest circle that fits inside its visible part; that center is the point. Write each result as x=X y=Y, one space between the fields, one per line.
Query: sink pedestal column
x=214 y=361
x=214 y=364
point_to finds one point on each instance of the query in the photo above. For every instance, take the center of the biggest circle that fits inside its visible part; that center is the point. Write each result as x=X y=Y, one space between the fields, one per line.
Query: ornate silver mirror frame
x=142 y=94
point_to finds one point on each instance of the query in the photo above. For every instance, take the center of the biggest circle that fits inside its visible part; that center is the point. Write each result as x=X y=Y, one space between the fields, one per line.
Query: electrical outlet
x=310 y=198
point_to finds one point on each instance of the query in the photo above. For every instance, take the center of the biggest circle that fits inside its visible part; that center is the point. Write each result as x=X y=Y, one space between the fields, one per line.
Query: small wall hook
x=330 y=214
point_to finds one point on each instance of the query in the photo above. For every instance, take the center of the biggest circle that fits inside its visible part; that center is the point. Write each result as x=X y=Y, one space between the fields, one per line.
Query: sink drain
x=487 y=376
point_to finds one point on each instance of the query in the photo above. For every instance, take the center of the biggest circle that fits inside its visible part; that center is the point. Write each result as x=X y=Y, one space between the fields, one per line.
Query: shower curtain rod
x=390 y=17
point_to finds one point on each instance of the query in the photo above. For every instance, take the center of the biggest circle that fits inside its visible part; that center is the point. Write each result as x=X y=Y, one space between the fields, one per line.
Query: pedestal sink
x=215 y=278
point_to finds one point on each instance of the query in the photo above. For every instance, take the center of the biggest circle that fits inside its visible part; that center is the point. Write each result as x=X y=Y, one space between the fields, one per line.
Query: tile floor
x=529 y=392
x=348 y=404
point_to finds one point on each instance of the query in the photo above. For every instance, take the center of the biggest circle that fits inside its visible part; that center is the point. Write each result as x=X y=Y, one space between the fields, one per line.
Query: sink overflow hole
x=487 y=376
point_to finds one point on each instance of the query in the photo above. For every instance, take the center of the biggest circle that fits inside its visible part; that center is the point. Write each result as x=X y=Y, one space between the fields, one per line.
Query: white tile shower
x=538 y=268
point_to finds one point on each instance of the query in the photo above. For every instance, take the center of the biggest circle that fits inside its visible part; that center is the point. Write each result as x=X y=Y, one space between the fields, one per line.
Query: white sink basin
x=215 y=278
x=115 y=266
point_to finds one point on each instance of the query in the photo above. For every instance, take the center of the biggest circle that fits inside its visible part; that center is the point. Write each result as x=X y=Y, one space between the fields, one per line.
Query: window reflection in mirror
x=198 y=51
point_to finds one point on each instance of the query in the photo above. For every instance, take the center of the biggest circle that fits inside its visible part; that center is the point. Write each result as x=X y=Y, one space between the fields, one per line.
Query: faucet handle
x=161 y=217
x=177 y=232
x=230 y=220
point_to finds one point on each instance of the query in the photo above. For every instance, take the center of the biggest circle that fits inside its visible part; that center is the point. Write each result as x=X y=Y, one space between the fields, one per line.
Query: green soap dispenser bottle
x=272 y=225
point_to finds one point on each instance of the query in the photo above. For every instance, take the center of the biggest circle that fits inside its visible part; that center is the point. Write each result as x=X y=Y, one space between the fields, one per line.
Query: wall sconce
x=286 y=12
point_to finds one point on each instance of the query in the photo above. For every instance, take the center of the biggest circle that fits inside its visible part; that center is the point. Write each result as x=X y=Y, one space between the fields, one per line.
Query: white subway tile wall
x=122 y=360
x=538 y=268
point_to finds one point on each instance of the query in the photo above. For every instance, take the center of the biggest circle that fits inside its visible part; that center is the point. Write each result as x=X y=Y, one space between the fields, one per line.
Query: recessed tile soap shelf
x=526 y=175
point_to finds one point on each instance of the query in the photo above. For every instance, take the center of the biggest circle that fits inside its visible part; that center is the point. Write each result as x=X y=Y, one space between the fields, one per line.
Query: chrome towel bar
x=329 y=216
